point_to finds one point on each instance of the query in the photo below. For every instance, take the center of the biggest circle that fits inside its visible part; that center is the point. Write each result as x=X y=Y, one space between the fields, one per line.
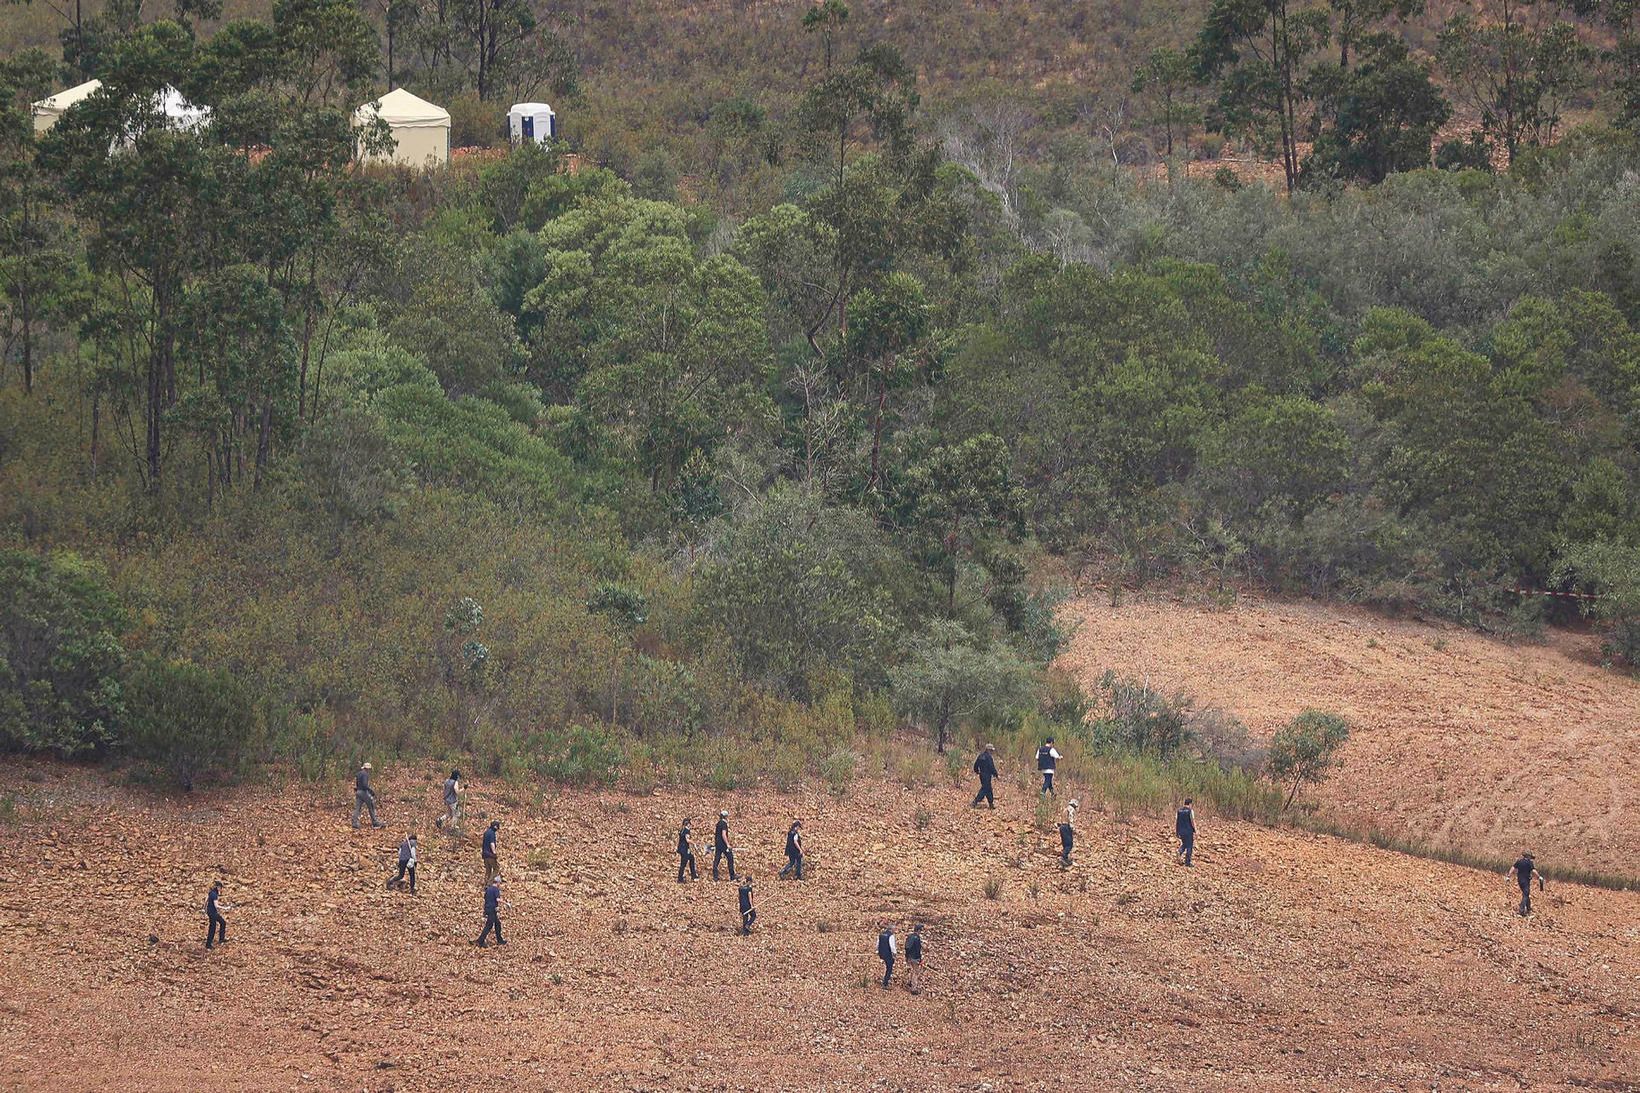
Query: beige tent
x=48 y=110
x=420 y=129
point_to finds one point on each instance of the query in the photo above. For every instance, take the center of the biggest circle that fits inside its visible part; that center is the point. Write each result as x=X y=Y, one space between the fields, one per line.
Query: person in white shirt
x=409 y=852
x=452 y=801
x=887 y=949
x=1047 y=761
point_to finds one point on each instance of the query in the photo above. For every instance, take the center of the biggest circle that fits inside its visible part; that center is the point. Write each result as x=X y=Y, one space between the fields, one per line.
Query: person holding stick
x=748 y=912
x=1524 y=871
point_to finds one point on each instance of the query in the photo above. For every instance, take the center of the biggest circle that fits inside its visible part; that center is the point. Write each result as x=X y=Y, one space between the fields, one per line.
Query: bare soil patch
x=1282 y=962
x=1460 y=739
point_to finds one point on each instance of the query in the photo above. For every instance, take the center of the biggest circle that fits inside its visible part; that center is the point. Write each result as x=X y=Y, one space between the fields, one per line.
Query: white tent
x=48 y=110
x=179 y=112
x=532 y=121
x=421 y=131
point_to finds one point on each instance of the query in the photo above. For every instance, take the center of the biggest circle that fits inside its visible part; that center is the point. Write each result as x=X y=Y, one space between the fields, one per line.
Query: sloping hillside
x=1281 y=962
x=1461 y=739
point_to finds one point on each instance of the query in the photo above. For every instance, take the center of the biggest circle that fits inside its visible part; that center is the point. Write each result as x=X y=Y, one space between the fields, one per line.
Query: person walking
x=914 y=958
x=686 y=852
x=492 y=866
x=887 y=949
x=1524 y=871
x=1067 y=835
x=986 y=767
x=1047 y=761
x=748 y=912
x=409 y=852
x=794 y=851
x=492 y=912
x=1184 y=826
x=364 y=797
x=452 y=802
x=217 y=926
x=721 y=850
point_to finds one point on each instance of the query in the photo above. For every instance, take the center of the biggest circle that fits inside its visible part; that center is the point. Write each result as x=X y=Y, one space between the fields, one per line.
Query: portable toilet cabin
x=48 y=110
x=420 y=130
x=532 y=121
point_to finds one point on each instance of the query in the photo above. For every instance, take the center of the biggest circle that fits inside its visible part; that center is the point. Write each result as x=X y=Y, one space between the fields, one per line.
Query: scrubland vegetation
x=585 y=477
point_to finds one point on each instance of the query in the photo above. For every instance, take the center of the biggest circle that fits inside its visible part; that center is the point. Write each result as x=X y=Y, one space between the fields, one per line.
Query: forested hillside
x=581 y=474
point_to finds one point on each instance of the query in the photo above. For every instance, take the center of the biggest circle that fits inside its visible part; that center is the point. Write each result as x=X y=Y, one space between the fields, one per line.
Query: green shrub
x=193 y=723
x=1304 y=751
x=60 y=655
x=580 y=755
x=838 y=770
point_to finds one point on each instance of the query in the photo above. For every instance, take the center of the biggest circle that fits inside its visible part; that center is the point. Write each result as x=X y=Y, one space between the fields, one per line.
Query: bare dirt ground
x=1460 y=739
x=1282 y=962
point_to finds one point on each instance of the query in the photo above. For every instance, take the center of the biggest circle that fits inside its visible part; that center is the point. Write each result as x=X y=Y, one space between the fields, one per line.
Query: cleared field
x=1281 y=962
x=1461 y=740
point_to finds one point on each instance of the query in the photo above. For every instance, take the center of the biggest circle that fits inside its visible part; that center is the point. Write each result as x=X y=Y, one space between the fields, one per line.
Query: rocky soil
x=1281 y=962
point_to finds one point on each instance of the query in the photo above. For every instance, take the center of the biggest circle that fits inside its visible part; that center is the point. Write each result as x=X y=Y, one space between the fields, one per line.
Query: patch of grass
x=993 y=887
x=9 y=809
x=538 y=859
x=825 y=926
x=1033 y=890
x=1045 y=813
x=1453 y=855
x=921 y=819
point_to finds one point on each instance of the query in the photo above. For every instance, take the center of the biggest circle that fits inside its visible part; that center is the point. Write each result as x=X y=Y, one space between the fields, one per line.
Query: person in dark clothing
x=1047 y=761
x=887 y=949
x=986 y=767
x=748 y=913
x=721 y=850
x=1524 y=871
x=492 y=865
x=217 y=928
x=364 y=797
x=686 y=853
x=492 y=912
x=409 y=852
x=794 y=850
x=914 y=957
x=1184 y=826
x=1067 y=835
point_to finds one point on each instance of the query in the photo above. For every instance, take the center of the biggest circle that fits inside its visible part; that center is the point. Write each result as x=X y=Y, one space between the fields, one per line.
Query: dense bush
x=61 y=662
x=193 y=723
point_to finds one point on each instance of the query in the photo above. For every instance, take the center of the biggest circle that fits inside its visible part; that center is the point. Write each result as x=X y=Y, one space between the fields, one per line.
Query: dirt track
x=1461 y=739
x=1281 y=962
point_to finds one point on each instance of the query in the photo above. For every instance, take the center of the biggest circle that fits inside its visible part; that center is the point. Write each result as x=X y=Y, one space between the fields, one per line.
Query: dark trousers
x=687 y=861
x=794 y=864
x=1187 y=846
x=216 y=931
x=888 y=969
x=405 y=868
x=492 y=922
x=746 y=920
x=723 y=853
x=1526 y=899
x=1067 y=840
x=985 y=793
x=1047 y=781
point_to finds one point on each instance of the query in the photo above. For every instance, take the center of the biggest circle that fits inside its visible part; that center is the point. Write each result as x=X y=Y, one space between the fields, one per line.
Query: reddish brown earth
x=1460 y=739
x=1282 y=962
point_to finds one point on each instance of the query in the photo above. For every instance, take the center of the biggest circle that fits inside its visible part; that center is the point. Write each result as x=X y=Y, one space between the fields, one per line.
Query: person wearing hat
x=887 y=950
x=364 y=797
x=794 y=851
x=721 y=850
x=409 y=851
x=492 y=867
x=686 y=852
x=986 y=767
x=1047 y=761
x=1067 y=835
x=217 y=926
x=452 y=801
x=748 y=913
x=1524 y=871
x=492 y=912
x=914 y=958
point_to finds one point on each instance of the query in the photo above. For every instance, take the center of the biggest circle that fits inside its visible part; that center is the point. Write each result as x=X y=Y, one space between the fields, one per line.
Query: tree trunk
x=264 y=441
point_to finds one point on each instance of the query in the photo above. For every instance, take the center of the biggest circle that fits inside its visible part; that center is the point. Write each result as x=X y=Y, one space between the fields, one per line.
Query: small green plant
x=838 y=770
x=1304 y=752
x=8 y=808
x=1045 y=813
x=1033 y=890
x=538 y=859
x=825 y=926
x=993 y=888
x=1438 y=644
x=921 y=819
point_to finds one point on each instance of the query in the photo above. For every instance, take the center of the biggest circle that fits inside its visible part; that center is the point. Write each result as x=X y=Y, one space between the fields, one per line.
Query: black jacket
x=985 y=766
x=720 y=838
x=683 y=840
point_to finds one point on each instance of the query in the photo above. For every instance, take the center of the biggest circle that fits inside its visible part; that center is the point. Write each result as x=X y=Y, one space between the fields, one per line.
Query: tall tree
x=1375 y=118
x=1258 y=50
x=1166 y=79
